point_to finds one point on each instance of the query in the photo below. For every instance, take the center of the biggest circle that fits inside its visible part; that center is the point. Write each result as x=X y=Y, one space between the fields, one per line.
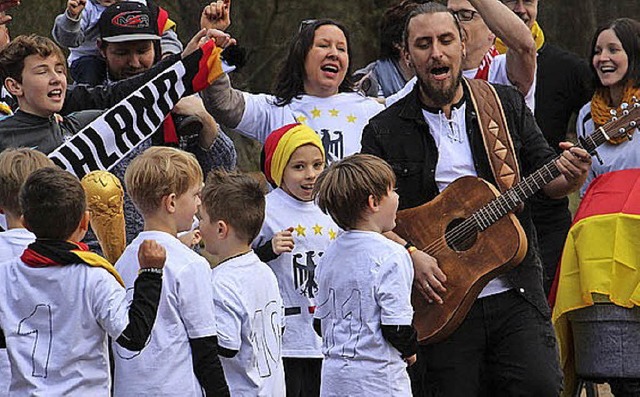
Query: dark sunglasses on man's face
x=464 y=15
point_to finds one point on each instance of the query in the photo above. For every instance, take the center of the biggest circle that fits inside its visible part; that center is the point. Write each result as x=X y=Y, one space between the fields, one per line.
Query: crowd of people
x=314 y=289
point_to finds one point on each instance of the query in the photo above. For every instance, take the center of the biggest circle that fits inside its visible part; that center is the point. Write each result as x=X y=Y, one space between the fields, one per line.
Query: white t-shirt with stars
x=250 y=318
x=338 y=119
x=295 y=270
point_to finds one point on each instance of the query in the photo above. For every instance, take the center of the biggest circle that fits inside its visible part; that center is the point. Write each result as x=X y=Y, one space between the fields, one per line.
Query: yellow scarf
x=538 y=37
x=601 y=108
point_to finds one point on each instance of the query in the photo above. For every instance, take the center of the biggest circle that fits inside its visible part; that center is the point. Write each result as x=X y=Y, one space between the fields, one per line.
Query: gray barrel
x=606 y=341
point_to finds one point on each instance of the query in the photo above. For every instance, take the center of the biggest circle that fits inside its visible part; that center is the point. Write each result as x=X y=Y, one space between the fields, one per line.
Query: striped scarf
x=45 y=253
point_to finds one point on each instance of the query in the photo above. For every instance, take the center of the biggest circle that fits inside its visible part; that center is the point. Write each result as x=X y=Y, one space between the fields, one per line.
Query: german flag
x=601 y=256
x=45 y=253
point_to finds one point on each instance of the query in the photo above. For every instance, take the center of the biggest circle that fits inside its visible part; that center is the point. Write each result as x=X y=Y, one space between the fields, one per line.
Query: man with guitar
x=448 y=128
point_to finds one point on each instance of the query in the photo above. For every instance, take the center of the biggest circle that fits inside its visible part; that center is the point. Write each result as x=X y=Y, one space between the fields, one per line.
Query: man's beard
x=440 y=97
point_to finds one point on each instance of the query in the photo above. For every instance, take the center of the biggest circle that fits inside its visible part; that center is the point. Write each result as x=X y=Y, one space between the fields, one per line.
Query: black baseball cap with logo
x=127 y=21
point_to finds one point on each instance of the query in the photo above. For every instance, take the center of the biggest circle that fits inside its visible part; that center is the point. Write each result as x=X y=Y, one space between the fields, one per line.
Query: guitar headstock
x=621 y=126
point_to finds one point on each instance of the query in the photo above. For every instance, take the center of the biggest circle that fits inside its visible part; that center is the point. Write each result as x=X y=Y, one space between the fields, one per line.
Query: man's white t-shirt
x=250 y=318
x=56 y=321
x=497 y=75
x=364 y=281
x=12 y=244
x=295 y=271
x=186 y=311
x=338 y=119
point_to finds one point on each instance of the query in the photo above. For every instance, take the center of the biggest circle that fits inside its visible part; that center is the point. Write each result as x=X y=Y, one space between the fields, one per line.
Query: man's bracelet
x=150 y=270
x=410 y=247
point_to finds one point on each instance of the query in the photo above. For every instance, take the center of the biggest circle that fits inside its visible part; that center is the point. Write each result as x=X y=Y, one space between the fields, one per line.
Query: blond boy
x=364 y=284
x=15 y=166
x=249 y=308
x=181 y=355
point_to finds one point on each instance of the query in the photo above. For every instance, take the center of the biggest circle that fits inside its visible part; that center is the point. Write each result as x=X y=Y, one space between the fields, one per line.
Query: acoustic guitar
x=472 y=232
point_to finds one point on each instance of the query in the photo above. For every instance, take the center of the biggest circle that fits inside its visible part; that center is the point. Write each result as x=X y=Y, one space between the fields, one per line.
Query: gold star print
x=317 y=229
x=334 y=112
x=301 y=119
x=332 y=234
x=301 y=231
x=316 y=112
x=351 y=118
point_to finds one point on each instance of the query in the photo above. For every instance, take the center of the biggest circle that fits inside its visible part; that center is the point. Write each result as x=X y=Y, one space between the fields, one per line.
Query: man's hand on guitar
x=428 y=278
x=574 y=164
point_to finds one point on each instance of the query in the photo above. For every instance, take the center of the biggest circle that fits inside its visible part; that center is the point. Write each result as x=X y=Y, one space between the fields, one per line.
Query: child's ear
x=372 y=203
x=222 y=229
x=169 y=203
x=84 y=222
x=13 y=86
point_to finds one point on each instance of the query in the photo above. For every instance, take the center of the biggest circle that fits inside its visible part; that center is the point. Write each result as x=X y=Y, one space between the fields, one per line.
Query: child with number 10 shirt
x=249 y=308
x=294 y=236
x=364 y=284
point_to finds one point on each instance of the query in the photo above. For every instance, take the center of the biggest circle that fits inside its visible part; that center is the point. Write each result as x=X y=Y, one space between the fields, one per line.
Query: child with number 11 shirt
x=364 y=284
x=294 y=236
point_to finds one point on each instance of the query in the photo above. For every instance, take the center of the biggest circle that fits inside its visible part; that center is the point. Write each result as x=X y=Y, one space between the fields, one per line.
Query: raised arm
x=521 y=56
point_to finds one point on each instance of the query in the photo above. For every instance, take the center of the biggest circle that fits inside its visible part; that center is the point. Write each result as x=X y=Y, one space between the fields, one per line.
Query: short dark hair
x=290 y=77
x=53 y=203
x=428 y=8
x=392 y=28
x=343 y=189
x=13 y=55
x=236 y=199
x=628 y=32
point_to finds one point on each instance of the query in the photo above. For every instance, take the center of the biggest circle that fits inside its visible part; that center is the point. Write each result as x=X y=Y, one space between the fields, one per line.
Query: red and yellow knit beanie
x=281 y=144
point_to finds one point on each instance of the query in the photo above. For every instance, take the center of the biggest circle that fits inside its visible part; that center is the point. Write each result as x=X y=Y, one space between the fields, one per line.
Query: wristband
x=154 y=270
x=410 y=247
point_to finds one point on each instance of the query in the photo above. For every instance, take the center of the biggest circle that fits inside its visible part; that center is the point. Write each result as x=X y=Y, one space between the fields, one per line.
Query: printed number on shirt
x=38 y=327
x=266 y=338
x=349 y=310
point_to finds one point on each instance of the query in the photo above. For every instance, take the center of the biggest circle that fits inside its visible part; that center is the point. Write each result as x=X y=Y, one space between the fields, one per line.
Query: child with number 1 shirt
x=294 y=236
x=59 y=302
x=364 y=309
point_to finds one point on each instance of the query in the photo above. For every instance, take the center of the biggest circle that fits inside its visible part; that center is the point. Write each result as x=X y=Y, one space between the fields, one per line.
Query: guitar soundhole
x=460 y=238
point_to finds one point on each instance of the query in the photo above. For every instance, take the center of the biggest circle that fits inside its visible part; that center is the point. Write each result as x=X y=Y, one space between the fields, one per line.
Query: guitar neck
x=512 y=198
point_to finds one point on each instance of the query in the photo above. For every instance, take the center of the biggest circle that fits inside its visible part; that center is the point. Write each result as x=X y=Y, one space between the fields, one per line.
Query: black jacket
x=401 y=136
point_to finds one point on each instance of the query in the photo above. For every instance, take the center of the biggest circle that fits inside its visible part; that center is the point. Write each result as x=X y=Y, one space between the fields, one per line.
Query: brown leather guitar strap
x=495 y=133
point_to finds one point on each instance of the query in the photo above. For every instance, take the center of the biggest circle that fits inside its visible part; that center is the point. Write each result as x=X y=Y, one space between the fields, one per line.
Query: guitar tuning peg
x=629 y=136
x=624 y=106
x=614 y=119
x=622 y=131
x=633 y=124
x=625 y=112
x=634 y=99
x=613 y=112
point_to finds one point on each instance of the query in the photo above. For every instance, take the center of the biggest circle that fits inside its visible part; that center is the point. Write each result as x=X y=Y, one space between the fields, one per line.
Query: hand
x=75 y=7
x=222 y=40
x=5 y=19
x=191 y=239
x=191 y=105
x=151 y=254
x=574 y=164
x=283 y=241
x=7 y=4
x=428 y=278
x=411 y=360
x=216 y=15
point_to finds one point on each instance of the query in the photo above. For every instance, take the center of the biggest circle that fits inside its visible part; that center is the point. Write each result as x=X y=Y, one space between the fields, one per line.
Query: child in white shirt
x=59 y=302
x=249 y=308
x=364 y=284
x=15 y=166
x=293 y=237
x=181 y=355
